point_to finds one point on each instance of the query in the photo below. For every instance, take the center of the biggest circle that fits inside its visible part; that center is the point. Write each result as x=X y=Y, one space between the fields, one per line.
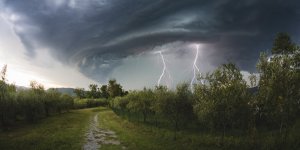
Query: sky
x=73 y=43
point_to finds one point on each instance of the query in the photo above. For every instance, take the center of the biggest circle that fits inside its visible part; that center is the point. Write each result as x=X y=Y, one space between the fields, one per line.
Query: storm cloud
x=97 y=35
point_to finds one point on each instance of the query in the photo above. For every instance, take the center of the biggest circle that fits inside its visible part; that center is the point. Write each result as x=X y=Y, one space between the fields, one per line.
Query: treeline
x=111 y=90
x=90 y=103
x=98 y=96
x=37 y=103
x=157 y=106
x=224 y=101
x=29 y=105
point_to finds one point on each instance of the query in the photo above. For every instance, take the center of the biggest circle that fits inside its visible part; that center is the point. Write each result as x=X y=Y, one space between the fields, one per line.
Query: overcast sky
x=72 y=43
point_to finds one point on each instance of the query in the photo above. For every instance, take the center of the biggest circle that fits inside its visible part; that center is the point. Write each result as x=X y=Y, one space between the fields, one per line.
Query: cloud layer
x=96 y=36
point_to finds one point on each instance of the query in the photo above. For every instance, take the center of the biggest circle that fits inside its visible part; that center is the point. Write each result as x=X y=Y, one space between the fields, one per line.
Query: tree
x=279 y=95
x=140 y=102
x=120 y=104
x=37 y=87
x=3 y=97
x=104 y=91
x=3 y=73
x=223 y=103
x=94 y=91
x=253 y=80
x=67 y=102
x=33 y=102
x=51 y=101
x=283 y=44
x=176 y=106
x=160 y=94
x=114 y=89
x=80 y=93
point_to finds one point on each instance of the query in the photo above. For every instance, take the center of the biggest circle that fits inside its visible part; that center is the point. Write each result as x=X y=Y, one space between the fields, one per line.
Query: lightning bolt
x=164 y=69
x=195 y=67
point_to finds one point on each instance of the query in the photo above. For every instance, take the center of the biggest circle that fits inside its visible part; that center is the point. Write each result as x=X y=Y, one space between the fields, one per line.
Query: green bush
x=88 y=103
x=30 y=105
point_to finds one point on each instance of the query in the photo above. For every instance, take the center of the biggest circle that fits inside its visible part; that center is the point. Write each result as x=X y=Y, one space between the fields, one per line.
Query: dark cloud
x=96 y=35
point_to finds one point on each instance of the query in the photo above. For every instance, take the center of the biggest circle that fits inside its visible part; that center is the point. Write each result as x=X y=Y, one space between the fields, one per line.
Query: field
x=60 y=132
x=67 y=132
x=142 y=136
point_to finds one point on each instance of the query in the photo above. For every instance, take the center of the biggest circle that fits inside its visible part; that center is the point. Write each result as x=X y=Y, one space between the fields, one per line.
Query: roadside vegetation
x=97 y=96
x=223 y=104
x=59 y=132
x=89 y=103
x=35 y=103
x=29 y=105
x=138 y=135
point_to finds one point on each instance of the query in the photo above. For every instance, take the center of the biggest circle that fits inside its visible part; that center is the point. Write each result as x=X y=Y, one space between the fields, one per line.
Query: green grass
x=60 y=132
x=136 y=136
x=67 y=132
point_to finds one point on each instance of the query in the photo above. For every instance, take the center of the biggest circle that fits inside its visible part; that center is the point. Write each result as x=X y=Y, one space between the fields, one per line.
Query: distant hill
x=68 y=91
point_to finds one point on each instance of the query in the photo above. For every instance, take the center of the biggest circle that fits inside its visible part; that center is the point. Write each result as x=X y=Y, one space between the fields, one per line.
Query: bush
x=30 y=105
x=88 y=103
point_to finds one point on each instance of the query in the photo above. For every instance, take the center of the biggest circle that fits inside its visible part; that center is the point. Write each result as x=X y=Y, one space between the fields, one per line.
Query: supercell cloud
x=98 y=36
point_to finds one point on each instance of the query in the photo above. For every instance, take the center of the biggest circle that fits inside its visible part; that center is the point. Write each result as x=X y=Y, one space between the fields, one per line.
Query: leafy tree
x=104 y=91
x=120 y=104
x=114 y=89
x=67 y=102
x=32 y=104
x=94 y=91
x=177 y=106
x=160 y=94
x=7 y=100
x=80 y=93
x=37 y=87
x=3 y=73
x=283 y=44
x=279 y=86
x=253 y=80
x=224 y=101
x=140 y=102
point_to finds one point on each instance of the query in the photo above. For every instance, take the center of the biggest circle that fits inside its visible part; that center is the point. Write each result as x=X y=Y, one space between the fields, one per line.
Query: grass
x=136 y=136
x=60 y=132
x=67 y=131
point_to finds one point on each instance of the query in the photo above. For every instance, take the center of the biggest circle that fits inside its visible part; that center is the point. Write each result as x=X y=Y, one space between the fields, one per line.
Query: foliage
x=283 y=44
x=142 y=136
x=94 y=91
x=279 y=86
x=140 y=102
x=223 y=102
x=104 y=91
x=58 y=132
x=114 y=89
x=30 y=105
x=89 y=103
x=80 y=93
x=177 y=107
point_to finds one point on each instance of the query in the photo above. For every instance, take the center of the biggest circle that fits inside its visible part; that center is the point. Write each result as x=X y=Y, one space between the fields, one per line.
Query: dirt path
x=95 y=136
